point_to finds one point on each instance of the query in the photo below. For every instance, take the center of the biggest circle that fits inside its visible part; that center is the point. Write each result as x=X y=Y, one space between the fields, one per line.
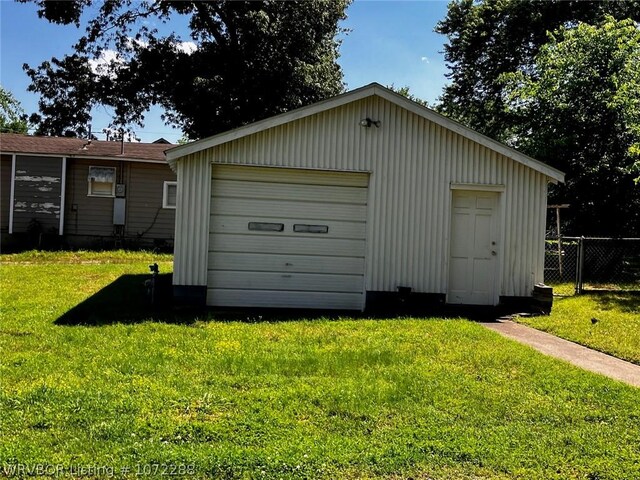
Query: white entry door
x=474 y=248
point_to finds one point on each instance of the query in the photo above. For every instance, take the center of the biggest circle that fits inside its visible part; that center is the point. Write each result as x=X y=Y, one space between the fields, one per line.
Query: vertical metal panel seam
x=205 y=203
x=519 y=222
x=436 y=203
x=179 y=248
x=508 y=268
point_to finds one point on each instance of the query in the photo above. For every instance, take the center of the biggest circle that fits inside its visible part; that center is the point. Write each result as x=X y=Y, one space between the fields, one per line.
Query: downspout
x=13 y=192
x=63 y=194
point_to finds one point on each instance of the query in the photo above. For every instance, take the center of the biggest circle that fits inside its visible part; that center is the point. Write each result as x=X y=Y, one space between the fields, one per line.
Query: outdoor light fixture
x=367 y=122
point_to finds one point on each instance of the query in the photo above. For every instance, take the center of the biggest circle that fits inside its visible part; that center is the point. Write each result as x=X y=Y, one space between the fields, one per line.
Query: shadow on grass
x=126 y=300
x=626 y=301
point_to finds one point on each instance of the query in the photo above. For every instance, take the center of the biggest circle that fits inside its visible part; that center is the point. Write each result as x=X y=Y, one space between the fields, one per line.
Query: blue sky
x=390 y=42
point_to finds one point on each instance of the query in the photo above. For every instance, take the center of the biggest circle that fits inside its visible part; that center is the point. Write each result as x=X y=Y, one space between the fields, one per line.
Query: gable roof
x=372 y=89
x=81 y=148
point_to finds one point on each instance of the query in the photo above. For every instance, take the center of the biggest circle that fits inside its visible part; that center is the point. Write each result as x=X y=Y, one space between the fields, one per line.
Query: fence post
x=579 y=265
x=577 y=280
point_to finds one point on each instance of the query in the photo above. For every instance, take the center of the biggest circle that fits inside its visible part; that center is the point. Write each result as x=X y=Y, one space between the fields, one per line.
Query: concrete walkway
x=578 y=355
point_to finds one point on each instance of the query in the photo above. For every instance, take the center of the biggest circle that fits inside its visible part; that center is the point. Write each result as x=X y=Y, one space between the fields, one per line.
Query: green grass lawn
x=155 y=392
x=616 y=331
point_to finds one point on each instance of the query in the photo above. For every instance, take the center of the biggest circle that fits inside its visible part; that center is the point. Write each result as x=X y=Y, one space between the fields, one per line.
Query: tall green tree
x=494 y=44
x=488 y=38
x=243 y=61
x=579 y=110
x=12 y=116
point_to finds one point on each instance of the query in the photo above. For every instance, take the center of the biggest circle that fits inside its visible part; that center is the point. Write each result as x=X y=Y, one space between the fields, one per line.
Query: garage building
x=348 y=201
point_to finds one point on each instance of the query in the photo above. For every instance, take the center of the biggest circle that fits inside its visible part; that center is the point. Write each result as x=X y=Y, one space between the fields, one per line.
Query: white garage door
x=287 y=238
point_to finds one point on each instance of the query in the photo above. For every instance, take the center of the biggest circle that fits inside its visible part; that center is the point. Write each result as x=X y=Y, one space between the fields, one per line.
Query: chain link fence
x=579 y=264
x=561 y=264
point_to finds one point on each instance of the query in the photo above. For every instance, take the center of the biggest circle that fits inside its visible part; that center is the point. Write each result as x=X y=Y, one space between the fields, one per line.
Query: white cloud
x=100 y=66
x=132 y=42
x=186 y=47
x=425 y=59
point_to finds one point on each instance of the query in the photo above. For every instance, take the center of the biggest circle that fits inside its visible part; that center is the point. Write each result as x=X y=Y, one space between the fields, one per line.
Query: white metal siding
x=286 y=268
x=192 y=221
x=412 y=162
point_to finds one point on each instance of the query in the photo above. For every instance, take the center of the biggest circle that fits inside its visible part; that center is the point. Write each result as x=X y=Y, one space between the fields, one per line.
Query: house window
x=102 y=181
x=169 y=194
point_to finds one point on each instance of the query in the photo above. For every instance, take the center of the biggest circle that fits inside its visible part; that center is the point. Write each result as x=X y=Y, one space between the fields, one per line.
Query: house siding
x=86 y=215
x=92 y=217
x=37 y=193
x=145 y=216
x=413 y=162
x=5 y=192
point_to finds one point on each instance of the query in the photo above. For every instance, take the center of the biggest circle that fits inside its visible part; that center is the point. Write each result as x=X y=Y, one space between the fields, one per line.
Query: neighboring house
x=353 y=201
x=71 y=192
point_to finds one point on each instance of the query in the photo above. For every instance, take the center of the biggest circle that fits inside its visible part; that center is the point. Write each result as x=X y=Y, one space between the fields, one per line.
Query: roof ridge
x=44 y=145
x=374 y=88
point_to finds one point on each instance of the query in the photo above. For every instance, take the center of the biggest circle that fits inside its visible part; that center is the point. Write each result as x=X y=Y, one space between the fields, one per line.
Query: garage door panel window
x=301 y=228
x=266 y=227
